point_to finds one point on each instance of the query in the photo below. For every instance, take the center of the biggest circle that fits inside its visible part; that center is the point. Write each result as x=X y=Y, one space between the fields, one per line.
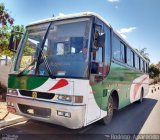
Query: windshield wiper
x=41 y=55
x=46 y=65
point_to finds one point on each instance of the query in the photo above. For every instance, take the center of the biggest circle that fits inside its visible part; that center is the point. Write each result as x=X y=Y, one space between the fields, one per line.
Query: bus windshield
x=65 y=50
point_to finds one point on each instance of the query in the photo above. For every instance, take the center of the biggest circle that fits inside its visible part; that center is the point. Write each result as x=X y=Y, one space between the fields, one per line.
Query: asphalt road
x=134 y=119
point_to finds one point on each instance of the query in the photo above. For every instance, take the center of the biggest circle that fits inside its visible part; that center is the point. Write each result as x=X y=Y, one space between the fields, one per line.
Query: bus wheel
x=141 y=98
x=107 y=119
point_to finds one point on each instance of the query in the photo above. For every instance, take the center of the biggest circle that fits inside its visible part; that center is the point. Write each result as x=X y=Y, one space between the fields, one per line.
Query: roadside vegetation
x=6 y=26
x=154 y=69
x=154 y=72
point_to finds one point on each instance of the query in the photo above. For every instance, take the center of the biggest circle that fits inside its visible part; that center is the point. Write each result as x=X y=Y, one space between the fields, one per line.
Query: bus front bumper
x=66 y=115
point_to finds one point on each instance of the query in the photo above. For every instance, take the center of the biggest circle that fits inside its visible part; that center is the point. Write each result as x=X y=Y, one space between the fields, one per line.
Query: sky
x=136 y=20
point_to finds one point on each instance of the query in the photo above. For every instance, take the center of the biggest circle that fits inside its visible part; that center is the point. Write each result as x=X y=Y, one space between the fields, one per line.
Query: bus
x=74 y=70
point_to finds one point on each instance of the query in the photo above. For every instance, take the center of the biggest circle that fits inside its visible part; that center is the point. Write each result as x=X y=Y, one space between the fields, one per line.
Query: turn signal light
x=78 y=99
x=12 y=92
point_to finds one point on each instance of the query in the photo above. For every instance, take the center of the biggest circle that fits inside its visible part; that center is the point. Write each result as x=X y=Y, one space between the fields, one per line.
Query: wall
x=4 y=70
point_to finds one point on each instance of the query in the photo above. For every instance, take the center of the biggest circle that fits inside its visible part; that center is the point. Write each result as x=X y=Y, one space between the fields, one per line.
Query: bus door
x=96 y=74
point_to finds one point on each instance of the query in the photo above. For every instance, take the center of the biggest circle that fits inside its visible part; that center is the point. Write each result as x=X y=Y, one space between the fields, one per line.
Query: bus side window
x=96 y=55
x=97 y=64
x=96 y=60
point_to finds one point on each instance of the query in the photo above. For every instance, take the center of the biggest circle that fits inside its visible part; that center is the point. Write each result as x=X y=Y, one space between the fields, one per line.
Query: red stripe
x=137 y=86
x=61 y=83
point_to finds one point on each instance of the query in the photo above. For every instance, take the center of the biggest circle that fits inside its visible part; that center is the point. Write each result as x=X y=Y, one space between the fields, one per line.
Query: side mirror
x=14 y=41
x=101 y=40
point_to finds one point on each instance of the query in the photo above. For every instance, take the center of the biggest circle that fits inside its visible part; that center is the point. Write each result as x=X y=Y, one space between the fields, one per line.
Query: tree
x=5 y=17
x=154 y=71
x=144 y=53
x=6 y=22
x=5 y=33
x=4 y=41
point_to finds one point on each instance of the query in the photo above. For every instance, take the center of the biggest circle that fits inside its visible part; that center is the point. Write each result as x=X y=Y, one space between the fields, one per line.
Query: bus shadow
x=128 y=120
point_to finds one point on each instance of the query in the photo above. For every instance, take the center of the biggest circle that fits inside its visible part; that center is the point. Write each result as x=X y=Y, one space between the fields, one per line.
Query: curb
x=12 y=121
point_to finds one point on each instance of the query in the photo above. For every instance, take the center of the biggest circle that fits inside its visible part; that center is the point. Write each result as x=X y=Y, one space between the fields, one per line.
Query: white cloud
x=127 y=30
x=61 y=14
x=124 y=31
x=113 y=0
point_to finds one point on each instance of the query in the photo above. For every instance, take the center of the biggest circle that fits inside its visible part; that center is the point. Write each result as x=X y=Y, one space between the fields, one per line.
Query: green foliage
x=144 y=53
x=6 y=22
x=154 y=71
x=28 y=50
x=5 y=33
x=5 y=17
x=4 y=41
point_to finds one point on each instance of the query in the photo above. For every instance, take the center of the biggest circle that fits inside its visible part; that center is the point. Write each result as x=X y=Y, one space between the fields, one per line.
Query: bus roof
x=86 y=14
x=70 y=16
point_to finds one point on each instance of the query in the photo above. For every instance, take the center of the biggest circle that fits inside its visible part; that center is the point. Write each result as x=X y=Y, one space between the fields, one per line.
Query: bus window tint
x=67 y=45
x=99 y=55
x=132 y=59
x=123 y=52
x=139 y=63
x=128 y=56
x=116 y=48
x=136 y=62
x=107 y=46
x=142 y=66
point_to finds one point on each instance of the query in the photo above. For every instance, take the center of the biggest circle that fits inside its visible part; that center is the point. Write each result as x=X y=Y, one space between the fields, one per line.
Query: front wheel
x=107 y=119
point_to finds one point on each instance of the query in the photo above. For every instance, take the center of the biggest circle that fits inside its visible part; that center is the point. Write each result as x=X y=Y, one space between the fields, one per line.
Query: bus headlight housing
x=12 y=92
x=65 y=98
x=70 y=98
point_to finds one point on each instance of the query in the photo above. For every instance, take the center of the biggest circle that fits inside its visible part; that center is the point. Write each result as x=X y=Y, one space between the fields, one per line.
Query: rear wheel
x=110 y=108
x=141 y=98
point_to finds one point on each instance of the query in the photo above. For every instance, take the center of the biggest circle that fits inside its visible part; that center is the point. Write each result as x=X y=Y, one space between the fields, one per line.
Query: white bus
x=74 y=70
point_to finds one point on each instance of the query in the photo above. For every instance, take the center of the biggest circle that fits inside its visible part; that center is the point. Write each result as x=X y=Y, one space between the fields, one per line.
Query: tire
x=110 y=109
x=141 y=98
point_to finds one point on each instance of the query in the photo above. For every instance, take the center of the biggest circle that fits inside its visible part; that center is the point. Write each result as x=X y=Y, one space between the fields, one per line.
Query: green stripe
x=118 y=75
x=26 y=82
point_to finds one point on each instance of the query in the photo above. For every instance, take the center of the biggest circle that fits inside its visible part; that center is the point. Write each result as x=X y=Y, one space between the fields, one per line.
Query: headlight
x=69 y=98
x=12 y=92
x=65 y=98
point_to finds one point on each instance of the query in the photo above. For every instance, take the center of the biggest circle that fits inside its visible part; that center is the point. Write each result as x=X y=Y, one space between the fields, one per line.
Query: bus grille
x=35 y=111
x=41 y=95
